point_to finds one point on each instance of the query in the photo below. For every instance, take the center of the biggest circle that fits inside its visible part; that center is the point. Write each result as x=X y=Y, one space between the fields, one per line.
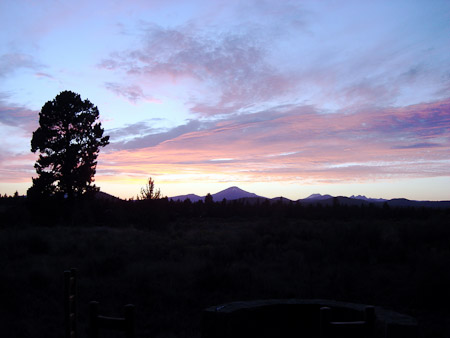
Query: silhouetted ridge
x=192 y=197
x=280 y=199
x=368 y=199
x=100 y=195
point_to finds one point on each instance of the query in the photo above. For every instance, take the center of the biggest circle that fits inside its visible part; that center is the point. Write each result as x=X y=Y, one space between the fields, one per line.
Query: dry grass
x=174 y=271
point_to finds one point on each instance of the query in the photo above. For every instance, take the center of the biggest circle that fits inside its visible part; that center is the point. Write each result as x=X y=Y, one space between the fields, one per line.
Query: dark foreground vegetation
x=173 y=259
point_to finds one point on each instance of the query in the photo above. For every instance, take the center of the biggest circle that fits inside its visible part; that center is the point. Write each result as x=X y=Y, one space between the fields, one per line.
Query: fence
x=97 y=322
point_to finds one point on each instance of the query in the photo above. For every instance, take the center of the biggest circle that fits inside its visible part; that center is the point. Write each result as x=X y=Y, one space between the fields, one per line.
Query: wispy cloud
x=15 y=168
x=17 y=116
x=133 y=93
x=424 y=121
x=9 y=63
x=237 y=69
x=300 y=143
x=418 y=146
x=230 y=66
x=141 y=135
x=44 y=75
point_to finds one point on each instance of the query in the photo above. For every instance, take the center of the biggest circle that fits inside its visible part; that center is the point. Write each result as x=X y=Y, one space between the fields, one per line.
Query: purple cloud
x=418 y=146
x=231 y=67
x=133 y=93
x=283 y=52
x=131 y=131
x=425 y=120
x=141 y=135
x=17 y=116
x=9 y=63
x=292 y=143
x=291 y=128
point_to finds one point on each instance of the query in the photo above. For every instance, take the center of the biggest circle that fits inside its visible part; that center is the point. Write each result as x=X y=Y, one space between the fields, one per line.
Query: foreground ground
x=173 y=271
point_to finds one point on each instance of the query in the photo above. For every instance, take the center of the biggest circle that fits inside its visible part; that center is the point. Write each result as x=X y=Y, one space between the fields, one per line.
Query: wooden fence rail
x=98 y=322
x=357 y=329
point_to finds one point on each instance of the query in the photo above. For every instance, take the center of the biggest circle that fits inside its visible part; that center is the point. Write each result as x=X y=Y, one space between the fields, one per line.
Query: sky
x=280 y=98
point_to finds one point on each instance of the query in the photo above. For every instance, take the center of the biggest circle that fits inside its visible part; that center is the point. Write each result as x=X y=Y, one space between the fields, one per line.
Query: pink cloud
x=288 y=144
x=275 y=52
x=133 y=93
x=301 y=144
x=18 y=116
x=231 y=67
x=16 y=168
x=421 y=121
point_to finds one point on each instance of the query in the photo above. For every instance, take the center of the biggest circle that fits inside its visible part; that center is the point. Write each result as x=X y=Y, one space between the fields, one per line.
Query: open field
x=174 y=269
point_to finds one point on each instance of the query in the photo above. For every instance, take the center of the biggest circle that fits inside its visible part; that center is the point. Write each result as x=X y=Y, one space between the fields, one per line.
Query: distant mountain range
x=235 y=193
x=353 y=197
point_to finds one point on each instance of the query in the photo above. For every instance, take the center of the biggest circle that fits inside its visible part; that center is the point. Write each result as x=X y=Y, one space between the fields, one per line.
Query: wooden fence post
x=129 y=320
x=325 y=318
x=369 y=318
x=93 y=322
x=70 y=303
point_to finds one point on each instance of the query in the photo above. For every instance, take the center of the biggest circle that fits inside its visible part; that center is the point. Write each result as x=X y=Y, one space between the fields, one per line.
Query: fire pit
x=304 y=318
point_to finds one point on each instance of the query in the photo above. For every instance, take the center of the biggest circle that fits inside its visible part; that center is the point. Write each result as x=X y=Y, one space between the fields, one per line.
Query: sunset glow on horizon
x=279 y=98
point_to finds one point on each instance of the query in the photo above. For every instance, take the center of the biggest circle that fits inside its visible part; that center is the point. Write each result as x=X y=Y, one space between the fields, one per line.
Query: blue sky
x=277 y=97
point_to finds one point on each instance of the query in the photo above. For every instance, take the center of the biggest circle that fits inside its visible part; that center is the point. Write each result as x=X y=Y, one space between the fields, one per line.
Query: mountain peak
x=232 y=189
x=232 y=193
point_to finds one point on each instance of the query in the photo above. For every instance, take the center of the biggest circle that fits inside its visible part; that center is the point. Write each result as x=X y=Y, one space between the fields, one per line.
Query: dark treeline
x=148 y=213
